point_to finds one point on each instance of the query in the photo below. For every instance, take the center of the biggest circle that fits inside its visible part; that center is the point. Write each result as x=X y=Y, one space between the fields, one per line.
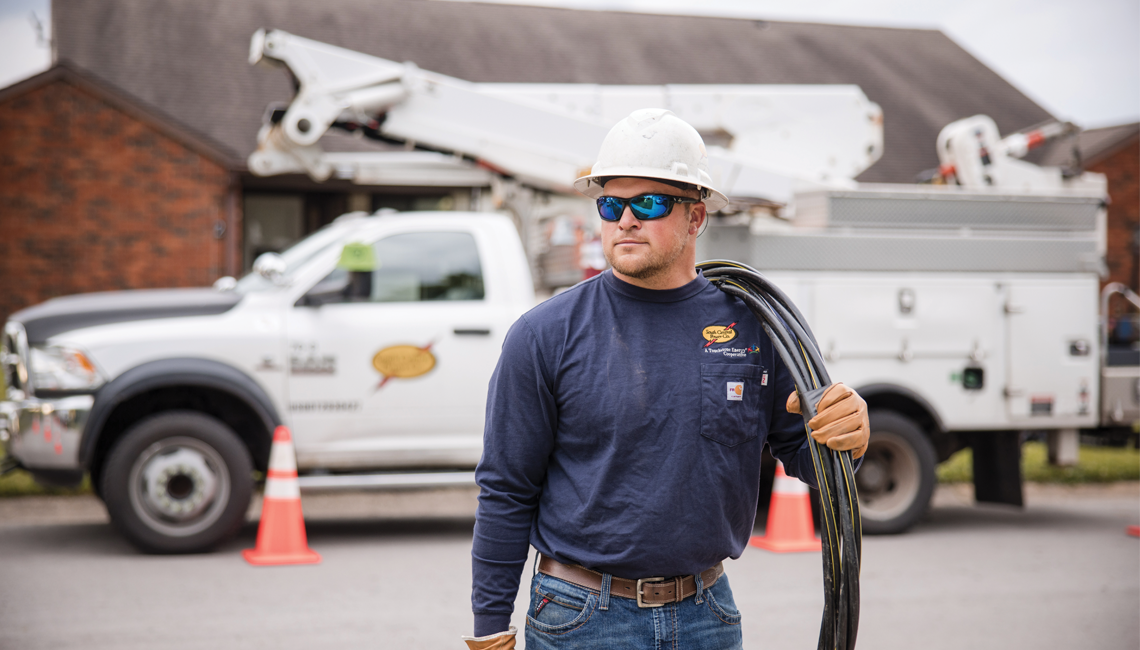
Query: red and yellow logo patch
x=719 y=333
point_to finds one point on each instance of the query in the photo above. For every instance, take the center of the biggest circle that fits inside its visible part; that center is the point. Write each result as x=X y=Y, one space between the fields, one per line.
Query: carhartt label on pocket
x=735 y=391
x=764 y=379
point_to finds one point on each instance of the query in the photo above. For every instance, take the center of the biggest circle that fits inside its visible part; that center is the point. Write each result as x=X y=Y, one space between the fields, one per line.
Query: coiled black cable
x=842 y=529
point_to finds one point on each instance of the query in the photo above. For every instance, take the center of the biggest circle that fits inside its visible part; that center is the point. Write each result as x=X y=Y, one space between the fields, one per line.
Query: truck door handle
x=472 y=331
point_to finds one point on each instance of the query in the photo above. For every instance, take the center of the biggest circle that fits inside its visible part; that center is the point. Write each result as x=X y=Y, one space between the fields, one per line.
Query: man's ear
x=697 y=217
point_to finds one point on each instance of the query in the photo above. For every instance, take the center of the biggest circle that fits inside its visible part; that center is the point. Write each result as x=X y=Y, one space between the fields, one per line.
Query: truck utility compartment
x=925 y=228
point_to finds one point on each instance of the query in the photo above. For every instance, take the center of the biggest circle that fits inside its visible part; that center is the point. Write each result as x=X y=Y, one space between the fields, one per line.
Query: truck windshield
x=295 y=257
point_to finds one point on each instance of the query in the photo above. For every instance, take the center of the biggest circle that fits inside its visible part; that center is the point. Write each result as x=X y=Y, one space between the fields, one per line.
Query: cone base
x=269 y=559
x=786 y=546
x=1133 y=531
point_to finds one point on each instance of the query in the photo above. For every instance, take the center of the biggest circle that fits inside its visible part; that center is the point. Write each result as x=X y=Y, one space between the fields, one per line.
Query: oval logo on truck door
x=404 y=361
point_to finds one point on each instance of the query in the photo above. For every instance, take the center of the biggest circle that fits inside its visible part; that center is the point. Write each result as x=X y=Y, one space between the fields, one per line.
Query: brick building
x=99 y=192
x=124 y=165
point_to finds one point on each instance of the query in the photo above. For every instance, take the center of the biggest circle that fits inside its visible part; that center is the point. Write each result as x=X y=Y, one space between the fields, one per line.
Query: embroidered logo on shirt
x=735 y=391
x=719 y=333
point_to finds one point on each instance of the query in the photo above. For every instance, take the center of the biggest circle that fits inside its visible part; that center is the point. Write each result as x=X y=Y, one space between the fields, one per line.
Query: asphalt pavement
x=396 y=574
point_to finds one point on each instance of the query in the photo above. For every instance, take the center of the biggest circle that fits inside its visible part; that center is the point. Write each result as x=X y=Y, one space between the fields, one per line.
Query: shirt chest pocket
x=731 y=402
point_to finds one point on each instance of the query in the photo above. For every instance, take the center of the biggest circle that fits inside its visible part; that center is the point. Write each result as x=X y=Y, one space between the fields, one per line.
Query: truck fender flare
x=873 y=390
x=173 y=372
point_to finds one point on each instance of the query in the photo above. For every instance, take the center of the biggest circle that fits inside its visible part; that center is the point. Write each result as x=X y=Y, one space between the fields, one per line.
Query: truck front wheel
x=177 y=482
x=897 y=477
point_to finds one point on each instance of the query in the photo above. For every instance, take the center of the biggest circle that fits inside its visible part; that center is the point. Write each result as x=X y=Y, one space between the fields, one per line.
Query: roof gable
x=1098 y=144
x=189 y=59
x=121 y=101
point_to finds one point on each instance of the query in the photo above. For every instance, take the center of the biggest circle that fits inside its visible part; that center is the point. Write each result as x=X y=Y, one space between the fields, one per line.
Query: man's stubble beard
x=657 y=263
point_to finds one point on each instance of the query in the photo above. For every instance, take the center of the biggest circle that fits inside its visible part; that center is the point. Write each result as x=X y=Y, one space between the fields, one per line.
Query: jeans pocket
x=723 y=607
x=731 y=395
x=558 y=607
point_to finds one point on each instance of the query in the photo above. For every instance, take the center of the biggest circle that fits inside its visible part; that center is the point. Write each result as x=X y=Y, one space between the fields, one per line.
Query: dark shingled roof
x=137 y=109
x=1094 y=144
x=188 y=58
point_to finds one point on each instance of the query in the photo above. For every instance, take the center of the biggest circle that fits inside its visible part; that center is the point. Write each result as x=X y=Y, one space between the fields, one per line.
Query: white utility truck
x=969 y=310
x=373 y=339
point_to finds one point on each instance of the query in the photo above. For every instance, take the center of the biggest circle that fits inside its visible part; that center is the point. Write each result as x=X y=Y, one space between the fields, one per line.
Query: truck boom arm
x=765 y=141
x=972 y=154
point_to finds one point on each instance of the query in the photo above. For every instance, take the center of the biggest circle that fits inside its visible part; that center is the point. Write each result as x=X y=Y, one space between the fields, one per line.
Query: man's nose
x=627 y=220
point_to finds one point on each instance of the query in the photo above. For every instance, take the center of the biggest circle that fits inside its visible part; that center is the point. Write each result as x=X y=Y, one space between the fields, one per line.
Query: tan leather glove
x=500 y=641
x=841 y=419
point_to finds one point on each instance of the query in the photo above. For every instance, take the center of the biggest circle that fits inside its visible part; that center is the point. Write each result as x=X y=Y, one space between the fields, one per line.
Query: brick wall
x=93 y=199
x=1123 y=171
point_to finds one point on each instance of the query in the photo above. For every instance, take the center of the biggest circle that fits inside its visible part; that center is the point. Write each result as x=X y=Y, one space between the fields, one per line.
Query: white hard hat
x=656 y=144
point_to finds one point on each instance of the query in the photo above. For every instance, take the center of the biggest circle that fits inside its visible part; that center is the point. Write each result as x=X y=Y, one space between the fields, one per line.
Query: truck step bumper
x=385 y=481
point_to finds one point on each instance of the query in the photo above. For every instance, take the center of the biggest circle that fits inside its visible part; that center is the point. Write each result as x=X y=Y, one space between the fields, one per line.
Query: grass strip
x=1095 y=465
x=19 y=483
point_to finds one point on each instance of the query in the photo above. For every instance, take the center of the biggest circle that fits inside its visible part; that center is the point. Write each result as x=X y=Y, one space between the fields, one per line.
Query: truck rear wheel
x=897 y=477
x=178 y=482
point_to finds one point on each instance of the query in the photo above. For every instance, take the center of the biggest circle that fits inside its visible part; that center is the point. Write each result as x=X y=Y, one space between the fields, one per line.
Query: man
x=625 y=423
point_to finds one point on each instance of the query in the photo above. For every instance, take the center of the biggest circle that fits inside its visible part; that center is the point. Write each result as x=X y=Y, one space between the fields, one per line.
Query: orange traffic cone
x=790 y=528
x=1133 y=531
x=281 y=533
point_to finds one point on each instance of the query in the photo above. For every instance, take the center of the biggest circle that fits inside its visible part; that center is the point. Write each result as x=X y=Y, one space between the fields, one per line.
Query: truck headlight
x=60 y=367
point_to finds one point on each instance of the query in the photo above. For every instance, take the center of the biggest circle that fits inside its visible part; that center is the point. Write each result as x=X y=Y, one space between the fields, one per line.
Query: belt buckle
x=641 y=603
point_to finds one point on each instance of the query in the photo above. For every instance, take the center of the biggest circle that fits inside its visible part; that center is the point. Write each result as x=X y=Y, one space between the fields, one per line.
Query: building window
x=273 y=222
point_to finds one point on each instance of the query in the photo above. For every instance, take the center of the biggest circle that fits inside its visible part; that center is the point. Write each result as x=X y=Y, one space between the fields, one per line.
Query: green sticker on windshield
x=357 y=257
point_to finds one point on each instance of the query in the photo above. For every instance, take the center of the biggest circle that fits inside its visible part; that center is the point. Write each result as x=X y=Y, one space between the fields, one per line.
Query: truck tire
x=897 y=477
x=177 y=482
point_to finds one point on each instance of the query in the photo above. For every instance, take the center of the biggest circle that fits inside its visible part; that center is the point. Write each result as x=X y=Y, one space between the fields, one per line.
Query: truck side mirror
x=270 y=266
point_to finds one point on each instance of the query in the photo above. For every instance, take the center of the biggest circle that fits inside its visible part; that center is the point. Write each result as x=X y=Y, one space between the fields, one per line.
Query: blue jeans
x=569 y=616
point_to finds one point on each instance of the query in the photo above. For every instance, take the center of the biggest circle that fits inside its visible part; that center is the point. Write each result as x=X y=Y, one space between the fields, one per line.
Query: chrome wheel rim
x=890 y=477
x=179 y=486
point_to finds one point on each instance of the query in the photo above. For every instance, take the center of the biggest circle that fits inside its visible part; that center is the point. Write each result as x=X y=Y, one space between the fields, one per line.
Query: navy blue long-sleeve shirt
x=624 y=431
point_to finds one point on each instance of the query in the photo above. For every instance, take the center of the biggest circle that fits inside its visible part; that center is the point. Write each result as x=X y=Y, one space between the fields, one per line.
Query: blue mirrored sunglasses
x=644 y=207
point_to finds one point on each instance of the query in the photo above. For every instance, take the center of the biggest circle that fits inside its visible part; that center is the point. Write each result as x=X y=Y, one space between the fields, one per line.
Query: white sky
x=1080 y=59
x=21 y=55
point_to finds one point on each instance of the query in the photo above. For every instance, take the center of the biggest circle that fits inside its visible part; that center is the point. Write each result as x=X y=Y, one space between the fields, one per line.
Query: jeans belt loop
x=605 y=596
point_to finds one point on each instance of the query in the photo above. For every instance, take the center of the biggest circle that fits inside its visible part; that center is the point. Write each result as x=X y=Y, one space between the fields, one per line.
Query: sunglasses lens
x=651 y=206
x=646 y=206
x=610 y=208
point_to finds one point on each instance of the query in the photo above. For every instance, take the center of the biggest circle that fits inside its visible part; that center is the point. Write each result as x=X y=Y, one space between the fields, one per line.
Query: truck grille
x=14 y=358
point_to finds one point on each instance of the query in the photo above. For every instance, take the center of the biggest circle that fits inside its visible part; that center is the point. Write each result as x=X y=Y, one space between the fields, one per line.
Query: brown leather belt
x=648 y=592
